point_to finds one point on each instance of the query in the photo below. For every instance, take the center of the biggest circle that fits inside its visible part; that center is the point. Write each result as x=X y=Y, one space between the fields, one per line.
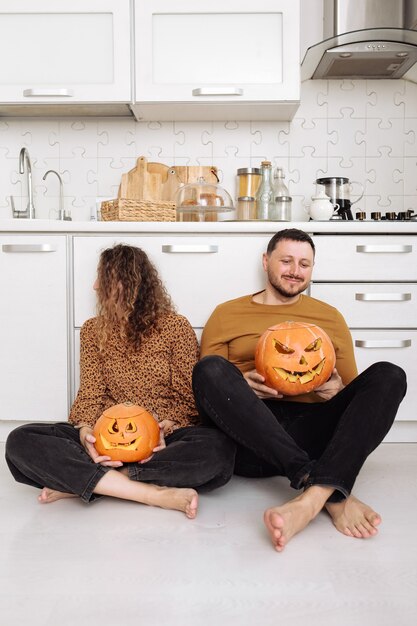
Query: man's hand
x=255 y=382
x=88 y=440
x=331 y=387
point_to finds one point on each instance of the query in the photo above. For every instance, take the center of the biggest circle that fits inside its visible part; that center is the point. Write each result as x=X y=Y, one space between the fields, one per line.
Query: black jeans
x=321 y=443
x=51 y=455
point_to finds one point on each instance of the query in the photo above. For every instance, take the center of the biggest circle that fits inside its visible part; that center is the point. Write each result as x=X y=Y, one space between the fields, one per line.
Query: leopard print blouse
x=157 y=377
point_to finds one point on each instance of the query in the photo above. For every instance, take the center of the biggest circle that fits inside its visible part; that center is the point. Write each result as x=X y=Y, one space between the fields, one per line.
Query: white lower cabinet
x=199 y=272
x=372 y=281
x=396 y=346
x=371 y=305
x=33 y=328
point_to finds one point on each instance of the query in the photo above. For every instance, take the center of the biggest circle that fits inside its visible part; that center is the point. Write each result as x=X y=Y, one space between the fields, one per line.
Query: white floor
x=118 y=563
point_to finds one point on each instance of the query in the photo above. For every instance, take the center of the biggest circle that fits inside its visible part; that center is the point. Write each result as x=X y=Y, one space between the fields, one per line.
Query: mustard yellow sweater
x=234 y=328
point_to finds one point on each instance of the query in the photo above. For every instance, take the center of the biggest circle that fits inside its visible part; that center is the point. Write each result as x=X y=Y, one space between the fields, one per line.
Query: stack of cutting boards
x=156 y=182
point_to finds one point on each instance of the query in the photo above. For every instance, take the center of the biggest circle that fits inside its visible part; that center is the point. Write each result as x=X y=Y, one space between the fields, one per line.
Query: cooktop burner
x=376 y=216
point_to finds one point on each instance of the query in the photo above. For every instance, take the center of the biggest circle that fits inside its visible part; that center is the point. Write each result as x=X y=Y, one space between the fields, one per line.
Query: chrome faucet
x=24 y=157
x=61 y=214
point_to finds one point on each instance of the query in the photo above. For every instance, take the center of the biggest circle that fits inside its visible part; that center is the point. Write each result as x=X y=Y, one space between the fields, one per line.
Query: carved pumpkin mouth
x=302 y=377
x=131 y=445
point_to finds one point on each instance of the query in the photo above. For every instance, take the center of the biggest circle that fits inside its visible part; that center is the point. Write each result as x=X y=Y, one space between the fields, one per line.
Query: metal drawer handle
x=383 y=343
x=383 y=297
x=48 y=93
x=27 y=247
x=189 y=248
x=374 y=248
x=216 y=91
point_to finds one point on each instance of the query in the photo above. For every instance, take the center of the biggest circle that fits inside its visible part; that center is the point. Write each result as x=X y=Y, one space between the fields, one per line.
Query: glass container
x=248 y=181
x=246 y=208
x=281 y=209
x=265 y=193
x=202 y=202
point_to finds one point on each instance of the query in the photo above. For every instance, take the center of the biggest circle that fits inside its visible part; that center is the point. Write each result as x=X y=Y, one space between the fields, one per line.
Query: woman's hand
x=255 y=382
x=331 y=387
x=88 y=440
x=164 y=427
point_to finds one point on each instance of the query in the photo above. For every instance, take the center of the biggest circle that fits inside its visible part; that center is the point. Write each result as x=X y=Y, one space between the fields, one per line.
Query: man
x=318 y=440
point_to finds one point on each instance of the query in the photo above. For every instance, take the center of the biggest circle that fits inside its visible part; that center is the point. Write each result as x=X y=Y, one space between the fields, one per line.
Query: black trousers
x=322 y=443
x=50 y=455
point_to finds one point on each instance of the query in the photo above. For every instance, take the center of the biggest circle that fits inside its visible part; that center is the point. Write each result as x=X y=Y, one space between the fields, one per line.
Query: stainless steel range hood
x=365 y=39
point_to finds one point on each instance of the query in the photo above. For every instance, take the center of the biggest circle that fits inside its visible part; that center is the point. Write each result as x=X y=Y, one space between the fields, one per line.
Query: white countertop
x=235 y=227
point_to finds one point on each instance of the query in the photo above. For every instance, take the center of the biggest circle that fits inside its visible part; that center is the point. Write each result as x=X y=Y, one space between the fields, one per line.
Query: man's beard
x=284 y=292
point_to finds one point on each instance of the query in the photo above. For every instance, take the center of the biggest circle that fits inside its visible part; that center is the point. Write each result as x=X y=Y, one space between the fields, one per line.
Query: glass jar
x=249 y=179
x=281 y=209
x=246 y=208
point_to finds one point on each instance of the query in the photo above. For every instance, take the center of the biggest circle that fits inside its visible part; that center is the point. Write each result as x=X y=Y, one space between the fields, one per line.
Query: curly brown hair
x=131 y=296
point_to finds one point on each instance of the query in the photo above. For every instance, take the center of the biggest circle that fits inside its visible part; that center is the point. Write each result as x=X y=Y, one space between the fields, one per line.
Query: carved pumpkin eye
x=113 y=427
x=314 y=345
x=281 y=348
x=131 y=427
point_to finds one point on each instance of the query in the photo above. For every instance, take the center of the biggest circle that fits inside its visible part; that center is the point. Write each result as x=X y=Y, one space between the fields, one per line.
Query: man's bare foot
x=179 y=499
x=50 y=495
x=354 y=518
x=286 y=520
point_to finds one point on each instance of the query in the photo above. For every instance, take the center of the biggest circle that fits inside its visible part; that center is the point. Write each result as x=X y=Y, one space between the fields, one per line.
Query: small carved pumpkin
x=295 y=357
x=126 y=432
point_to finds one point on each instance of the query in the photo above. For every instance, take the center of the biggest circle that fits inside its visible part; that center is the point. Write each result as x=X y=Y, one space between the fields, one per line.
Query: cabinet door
x=198 y=272
x=67 y=51
x=371 y=305
x=33 y=328
x=366 y=258
x=191 y=51
x=396 y=346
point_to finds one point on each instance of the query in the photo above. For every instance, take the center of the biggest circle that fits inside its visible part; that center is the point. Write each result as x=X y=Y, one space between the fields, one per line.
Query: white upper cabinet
x=71 y=51
x=217 y=60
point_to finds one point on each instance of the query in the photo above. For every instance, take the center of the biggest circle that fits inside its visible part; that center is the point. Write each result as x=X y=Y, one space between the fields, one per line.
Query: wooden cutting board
x=154 y=182
x=144 y=181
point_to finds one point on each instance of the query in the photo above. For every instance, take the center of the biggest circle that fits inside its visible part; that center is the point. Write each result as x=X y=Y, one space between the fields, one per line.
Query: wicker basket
x=123 y=210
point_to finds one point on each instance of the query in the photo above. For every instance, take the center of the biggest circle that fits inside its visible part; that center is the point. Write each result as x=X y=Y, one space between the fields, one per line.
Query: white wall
x=364 y=130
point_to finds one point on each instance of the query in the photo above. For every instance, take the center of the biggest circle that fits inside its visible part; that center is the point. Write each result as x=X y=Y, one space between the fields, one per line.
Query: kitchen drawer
x=371 y=305
x=396 y=346
x=365 y=258
x=198 y=272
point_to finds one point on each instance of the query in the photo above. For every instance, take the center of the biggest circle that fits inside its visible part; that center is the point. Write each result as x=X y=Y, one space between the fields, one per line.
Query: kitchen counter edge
x=205 y=228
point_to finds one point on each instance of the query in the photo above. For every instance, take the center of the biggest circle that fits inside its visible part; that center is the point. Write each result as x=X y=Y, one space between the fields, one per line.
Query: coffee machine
x=339 y=190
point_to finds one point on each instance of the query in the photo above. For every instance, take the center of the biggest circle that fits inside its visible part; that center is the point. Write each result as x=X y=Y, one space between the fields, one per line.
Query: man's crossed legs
x=320 y=447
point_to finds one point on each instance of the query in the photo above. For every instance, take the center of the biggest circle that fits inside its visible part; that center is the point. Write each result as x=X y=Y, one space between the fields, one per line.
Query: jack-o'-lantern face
x=126 y=432
x=295 y=357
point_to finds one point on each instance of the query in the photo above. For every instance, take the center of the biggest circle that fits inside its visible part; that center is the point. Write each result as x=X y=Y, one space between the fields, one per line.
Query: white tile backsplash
x=365 y=130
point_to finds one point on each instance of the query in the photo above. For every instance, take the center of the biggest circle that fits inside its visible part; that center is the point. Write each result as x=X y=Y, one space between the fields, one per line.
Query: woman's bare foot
x=354 y=518
x=50 y=495
x=286 y=520
x=179 y=499
x=117 y=484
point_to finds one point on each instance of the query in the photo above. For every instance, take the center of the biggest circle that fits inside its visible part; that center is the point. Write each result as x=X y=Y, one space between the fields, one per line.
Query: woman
x=137 y=349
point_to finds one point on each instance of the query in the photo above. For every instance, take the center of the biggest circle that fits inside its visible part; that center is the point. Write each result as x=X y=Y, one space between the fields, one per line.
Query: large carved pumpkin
x=295 y=357
x=126 y=432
